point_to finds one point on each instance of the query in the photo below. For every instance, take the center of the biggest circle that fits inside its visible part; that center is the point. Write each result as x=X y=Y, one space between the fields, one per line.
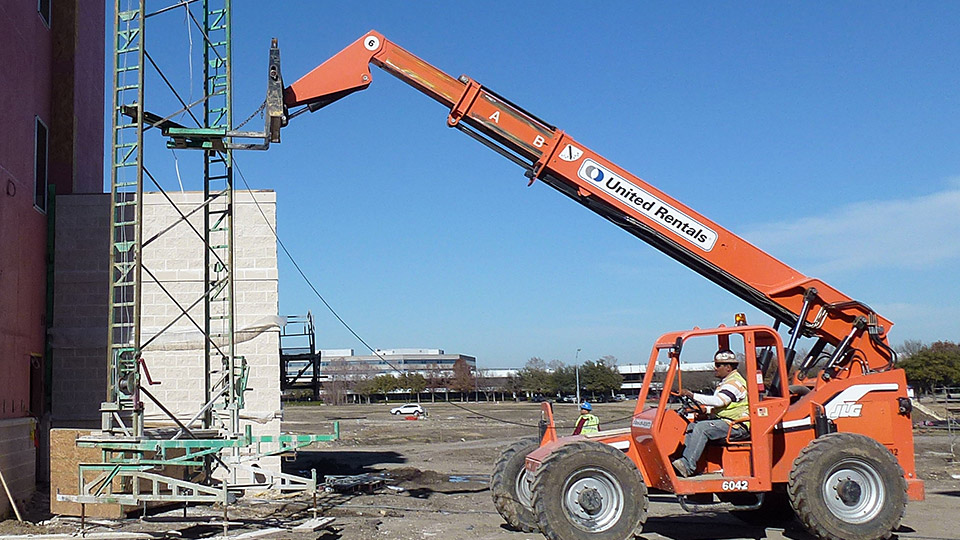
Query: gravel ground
x=442 y=464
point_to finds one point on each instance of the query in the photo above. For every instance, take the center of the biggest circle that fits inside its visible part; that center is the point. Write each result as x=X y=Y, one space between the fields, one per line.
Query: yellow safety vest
x=591 y=424
x=736 y=411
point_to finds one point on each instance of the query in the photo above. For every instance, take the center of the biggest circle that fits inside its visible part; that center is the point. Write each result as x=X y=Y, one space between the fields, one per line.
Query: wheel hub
x=849 y=492
x=590 y=500
x=853 y=491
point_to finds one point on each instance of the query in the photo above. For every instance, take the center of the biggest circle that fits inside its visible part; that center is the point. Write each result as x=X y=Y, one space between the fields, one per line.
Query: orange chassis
x=779 y=429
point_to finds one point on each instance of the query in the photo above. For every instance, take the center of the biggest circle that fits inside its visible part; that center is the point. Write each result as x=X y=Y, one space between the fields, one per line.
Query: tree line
x=350 y=381
x=597 y=378
x=930 y=366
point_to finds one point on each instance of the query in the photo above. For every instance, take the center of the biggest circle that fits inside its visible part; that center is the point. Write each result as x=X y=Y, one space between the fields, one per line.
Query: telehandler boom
x=835 y=447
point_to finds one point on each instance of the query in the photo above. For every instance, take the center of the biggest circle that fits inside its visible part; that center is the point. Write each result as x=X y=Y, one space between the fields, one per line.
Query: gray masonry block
x=176 y=259
x=18 y=458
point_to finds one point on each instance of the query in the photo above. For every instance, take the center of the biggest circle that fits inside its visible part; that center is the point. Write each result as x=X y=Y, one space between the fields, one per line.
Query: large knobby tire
x=849 y=487
x=589 y=490
x=510 y=486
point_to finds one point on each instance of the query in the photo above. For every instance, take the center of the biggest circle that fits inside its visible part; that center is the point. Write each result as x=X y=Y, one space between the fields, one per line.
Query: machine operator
x=730 y=407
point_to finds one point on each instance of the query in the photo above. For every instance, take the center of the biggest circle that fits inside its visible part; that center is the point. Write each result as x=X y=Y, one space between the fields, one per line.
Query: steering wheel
x=689 y=404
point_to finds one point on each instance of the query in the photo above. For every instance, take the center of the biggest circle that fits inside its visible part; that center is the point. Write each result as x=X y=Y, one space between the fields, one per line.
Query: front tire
x=510 y=486
x=589 y=490
x=848 y=486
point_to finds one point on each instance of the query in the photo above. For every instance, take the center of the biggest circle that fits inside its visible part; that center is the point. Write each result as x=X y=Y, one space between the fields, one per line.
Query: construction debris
x=357 y=483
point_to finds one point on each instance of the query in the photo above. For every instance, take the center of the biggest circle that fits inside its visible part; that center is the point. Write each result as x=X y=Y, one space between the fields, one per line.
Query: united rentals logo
x=647 y=204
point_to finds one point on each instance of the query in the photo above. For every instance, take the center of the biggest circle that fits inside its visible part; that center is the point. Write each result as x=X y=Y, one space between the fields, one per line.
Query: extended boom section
x=808 y=306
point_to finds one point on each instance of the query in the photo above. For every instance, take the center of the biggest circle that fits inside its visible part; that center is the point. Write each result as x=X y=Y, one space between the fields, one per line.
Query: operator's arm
x=716 y=400
x=725 y=394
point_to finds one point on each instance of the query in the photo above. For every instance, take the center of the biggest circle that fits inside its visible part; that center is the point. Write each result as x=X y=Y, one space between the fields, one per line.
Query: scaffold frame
x=135 y=461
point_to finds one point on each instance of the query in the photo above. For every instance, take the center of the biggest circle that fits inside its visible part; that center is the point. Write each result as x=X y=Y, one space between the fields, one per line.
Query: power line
x=330 y=307
x=348 y=327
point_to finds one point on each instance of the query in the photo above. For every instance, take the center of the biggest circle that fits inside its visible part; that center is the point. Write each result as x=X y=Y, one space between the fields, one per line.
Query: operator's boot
x=681 y=466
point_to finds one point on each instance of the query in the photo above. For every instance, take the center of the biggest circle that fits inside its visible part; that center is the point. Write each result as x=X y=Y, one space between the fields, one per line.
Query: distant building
x=391 y=362
x=496 y=379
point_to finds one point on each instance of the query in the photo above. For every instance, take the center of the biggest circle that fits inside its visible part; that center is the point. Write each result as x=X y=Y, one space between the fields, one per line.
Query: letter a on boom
x=495 y=117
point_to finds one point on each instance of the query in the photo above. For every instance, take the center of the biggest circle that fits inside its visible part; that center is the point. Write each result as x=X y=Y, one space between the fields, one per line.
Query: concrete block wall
x=175 y=358
x=176 y=259
x=80 y=318
x=18 y=461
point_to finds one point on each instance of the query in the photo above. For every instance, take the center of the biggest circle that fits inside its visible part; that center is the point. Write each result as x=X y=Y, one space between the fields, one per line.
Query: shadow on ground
x=687 y=527
x=339 y=462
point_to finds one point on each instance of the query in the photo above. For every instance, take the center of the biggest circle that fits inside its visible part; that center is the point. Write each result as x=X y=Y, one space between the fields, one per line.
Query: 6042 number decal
x=735 y=485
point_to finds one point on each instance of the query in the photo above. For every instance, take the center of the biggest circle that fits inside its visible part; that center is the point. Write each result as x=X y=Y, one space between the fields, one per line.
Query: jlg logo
x=844 y=404
x=844 y=410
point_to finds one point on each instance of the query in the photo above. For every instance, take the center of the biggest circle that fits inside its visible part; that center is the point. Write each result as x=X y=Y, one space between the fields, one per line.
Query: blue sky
x=826 y=134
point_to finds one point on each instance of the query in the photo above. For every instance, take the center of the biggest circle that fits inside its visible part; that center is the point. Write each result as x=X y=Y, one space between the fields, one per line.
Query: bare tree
x=462 y=380
x=483 y=382
x=338 y=383
x=909 y=348
x=436 y=379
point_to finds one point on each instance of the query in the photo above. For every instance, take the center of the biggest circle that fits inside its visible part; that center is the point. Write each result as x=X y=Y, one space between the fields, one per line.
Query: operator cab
x=685 y=360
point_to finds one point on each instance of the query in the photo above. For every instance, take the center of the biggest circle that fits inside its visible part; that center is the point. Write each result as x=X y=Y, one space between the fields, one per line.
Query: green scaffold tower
x=211 y=456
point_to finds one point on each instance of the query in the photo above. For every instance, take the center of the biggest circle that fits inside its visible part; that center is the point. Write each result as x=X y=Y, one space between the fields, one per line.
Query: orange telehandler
x=830 y=436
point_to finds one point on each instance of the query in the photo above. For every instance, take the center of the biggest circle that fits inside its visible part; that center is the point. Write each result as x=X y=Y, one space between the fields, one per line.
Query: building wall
x=18 y=460
x=79 y=332
x=175 y=359
x=25 y=60
x=55 y=74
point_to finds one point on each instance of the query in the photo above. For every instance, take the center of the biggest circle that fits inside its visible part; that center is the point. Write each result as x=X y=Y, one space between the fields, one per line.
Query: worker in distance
x=730 y=409
x=587 y=423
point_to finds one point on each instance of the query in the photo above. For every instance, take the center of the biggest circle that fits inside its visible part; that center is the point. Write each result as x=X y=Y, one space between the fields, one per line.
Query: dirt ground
x=437 y=473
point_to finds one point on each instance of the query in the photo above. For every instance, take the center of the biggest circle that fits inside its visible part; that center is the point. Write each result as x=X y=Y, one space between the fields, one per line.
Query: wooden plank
x=65 y=456
x=314 y=524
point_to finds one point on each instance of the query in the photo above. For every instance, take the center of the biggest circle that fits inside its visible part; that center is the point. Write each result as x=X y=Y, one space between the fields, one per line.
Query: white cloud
x=909 y=233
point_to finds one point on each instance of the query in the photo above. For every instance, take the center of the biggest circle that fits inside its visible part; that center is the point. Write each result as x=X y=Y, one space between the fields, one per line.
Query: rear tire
x=510 y=486
x=848 y=486
x=589 y=490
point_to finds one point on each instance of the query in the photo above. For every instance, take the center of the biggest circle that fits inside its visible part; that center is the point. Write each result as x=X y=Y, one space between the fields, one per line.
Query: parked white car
x=409 y=409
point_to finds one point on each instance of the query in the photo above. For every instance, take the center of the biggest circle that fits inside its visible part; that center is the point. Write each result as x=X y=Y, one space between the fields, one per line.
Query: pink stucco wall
x=55 y=74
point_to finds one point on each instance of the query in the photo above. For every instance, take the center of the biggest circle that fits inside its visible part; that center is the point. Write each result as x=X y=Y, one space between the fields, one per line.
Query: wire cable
x=350 y=329
x=304 y=275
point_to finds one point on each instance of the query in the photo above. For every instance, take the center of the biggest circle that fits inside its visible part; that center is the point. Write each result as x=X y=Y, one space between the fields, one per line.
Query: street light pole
x=576 y=363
